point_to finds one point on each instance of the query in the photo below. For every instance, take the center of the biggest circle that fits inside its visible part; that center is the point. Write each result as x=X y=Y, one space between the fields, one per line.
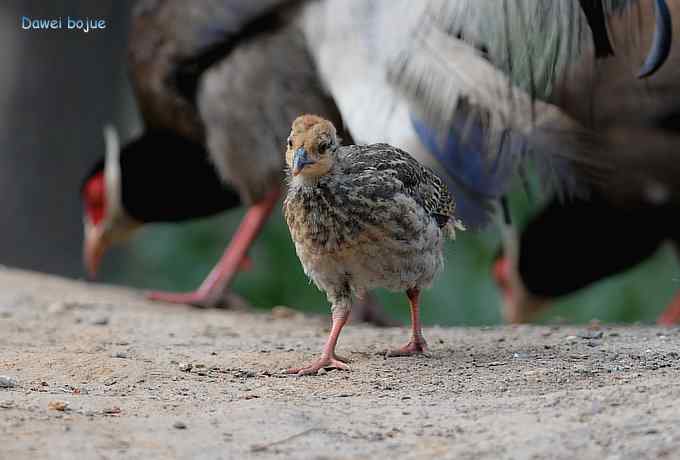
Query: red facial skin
x=94 y=199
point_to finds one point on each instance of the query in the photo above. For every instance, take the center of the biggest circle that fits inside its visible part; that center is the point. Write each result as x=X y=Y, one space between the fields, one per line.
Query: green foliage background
x=177 y=257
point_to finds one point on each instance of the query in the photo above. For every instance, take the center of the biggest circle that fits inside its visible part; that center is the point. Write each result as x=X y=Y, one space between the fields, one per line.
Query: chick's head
x=312 y=146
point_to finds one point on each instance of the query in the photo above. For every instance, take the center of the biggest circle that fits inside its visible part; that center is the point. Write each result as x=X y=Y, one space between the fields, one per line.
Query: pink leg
x=417 y=344
x=671 y=316
x=235 y=257
x=328 y=358
x=518 y=305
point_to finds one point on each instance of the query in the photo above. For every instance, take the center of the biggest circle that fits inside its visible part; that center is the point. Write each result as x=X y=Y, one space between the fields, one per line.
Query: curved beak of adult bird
x=300 y=160
x=95 y=245
x=104 y=220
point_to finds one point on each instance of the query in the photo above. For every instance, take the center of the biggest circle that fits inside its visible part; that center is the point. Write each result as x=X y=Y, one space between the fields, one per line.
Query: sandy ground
x=138 y=380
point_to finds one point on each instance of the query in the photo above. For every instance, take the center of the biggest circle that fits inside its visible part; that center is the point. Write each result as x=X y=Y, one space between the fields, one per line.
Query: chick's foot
x=324 y=362
x=414 y=347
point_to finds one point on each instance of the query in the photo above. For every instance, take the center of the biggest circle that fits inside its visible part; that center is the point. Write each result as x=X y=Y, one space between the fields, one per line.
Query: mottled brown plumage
x=363 y=217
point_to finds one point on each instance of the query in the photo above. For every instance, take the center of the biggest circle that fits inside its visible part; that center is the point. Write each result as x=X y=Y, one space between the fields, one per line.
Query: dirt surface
x=97 y=372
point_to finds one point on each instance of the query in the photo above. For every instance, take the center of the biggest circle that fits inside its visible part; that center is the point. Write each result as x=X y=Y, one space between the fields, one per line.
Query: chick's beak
x=300 y=160
x=94 y=246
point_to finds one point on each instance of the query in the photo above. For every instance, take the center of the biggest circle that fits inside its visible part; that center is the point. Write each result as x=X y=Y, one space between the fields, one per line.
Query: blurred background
x=57 y=90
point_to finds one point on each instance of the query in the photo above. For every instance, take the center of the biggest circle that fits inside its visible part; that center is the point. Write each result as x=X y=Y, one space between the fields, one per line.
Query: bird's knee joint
x=341 y=309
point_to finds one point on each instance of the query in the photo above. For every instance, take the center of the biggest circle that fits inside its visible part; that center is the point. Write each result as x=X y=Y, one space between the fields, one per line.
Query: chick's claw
x=414 y=347
x=322 y=363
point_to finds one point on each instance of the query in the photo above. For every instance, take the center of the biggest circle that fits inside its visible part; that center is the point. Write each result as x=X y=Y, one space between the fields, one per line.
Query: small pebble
x=56 y=307
x=179 y=425
x=7 y=382
x=321 y=371
x=6 y=404
x=591 y=335
x=101 y=321
x=60 y=406
x=62 y=306
x=282 y=312
x=120 y=354
x=595 y=324
x=114 y=410
x=185 y=367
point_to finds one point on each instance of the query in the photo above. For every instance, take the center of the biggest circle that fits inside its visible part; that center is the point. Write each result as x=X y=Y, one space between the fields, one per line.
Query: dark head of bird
x=312 y=146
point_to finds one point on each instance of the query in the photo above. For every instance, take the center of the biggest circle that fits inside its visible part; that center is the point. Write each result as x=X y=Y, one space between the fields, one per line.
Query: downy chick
x=363 y=217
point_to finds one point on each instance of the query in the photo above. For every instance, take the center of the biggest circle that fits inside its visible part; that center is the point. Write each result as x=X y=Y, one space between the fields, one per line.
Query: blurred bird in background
x=217 y=84
x=467 y=87
x=490 y=87
x=625 y=219
x=546 y=262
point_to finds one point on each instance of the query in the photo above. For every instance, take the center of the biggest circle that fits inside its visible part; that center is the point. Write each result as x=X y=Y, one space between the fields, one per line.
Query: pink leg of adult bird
x=417 y=344
x=328 y=358
x=235 y=257
x=519 y=306
x=671 y=316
